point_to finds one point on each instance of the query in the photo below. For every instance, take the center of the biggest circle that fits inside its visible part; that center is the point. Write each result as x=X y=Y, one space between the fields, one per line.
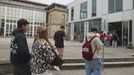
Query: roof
x=56 y=4
x=31 y=2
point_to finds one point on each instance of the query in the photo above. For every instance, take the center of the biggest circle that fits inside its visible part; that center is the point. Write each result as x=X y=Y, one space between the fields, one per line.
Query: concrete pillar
x=5 y=21
x=33 y=25
x=72 y=31
x=86 y=26
x=133 y=28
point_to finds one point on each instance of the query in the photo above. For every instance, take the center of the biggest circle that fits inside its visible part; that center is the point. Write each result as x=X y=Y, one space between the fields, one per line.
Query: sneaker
x=57 y=68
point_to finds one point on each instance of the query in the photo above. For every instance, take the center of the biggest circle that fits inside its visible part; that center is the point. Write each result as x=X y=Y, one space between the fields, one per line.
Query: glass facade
x=93 y=8
x=133 y=4
x=119 y=5
x=10 y=15
x=115 y=6
x=83 y=10
x=95 y=23
x=72 y=13
x=79 y=31
x=68 y=31
x=111 y=6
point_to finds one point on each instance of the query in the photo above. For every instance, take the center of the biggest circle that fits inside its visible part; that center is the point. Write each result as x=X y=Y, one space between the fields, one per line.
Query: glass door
x=126 y=32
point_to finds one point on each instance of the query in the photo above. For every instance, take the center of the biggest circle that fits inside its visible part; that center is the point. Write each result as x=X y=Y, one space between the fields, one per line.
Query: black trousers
x=23 y=69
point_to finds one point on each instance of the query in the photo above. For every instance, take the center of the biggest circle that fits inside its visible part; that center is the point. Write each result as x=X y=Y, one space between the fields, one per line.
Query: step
x=71 y=66
x=6 y=67
x=105 y=60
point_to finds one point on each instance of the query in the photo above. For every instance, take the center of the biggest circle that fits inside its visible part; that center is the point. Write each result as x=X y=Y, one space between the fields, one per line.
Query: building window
x=83 y=10
x=133 y=3
x=95 y=23
x=111 y=6
x=72 y=13
x=50 y=18
x=93 y=8
x=115 y=6
x=63 y=18
x=119 y=5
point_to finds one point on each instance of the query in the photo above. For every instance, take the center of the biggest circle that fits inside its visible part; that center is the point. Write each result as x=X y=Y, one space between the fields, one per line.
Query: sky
x=63 y=2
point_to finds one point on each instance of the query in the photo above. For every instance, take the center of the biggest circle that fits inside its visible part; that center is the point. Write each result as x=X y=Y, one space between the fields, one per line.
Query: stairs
x=70 y=64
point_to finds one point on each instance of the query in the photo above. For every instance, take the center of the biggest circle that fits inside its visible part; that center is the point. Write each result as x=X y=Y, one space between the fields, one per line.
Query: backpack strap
x=92 y=38
x=95 y=47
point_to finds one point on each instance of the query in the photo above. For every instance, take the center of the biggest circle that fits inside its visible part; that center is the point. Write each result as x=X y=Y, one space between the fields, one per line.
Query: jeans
x=23 y=69
x=108 y=43
x=114 y=43
x=93 y=67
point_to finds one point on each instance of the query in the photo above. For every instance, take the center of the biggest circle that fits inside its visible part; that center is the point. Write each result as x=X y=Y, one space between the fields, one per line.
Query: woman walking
x=42 y=55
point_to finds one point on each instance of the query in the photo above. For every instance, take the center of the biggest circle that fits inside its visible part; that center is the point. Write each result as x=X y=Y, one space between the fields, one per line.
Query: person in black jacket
x=19 y=55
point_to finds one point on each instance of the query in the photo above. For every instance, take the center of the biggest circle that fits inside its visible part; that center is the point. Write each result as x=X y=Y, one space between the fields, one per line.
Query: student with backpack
x=91 y=53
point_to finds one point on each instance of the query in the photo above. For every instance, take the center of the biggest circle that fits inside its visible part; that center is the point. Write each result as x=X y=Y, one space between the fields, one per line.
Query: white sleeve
x=98 y=43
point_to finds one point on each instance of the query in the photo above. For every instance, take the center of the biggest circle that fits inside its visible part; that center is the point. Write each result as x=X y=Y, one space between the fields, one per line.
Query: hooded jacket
x=96 y=44
x=19 y=48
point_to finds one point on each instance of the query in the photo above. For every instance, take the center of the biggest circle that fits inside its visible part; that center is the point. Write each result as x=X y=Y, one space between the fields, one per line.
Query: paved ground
x=107 y=71
x=72 y=50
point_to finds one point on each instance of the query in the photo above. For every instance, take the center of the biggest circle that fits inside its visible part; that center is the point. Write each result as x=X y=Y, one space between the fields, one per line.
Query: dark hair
x=94 y=29
x=21 y=22
x=62 y=27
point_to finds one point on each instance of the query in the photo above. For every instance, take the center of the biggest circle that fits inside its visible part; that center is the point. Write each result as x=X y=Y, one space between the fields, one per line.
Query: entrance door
x=126 y=32
x=116 y=27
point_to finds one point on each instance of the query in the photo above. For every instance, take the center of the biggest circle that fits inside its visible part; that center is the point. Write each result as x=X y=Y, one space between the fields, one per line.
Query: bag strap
x=86 y=38
x=95 y=47
x=53 y=50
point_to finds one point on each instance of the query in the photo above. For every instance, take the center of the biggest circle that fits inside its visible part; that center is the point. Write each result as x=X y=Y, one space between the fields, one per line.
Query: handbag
x=57 y=60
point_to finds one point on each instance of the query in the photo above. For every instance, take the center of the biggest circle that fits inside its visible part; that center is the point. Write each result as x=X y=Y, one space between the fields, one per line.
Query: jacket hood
x=17 y=31
x=91 y=34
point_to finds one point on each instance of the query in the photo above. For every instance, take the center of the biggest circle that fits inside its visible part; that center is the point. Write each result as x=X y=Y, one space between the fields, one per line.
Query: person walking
x=115 y=40
x=59 y=38
x=42 y=54
x=109 y=37
x=94 y=66
x=19 y=55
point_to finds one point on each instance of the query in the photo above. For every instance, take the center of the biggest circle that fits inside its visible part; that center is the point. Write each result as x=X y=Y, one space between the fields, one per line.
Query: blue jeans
x=93 y=67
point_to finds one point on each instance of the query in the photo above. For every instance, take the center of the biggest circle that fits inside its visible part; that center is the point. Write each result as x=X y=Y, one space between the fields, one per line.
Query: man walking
x=19 y=55
x=59 y=38
x=93 y=66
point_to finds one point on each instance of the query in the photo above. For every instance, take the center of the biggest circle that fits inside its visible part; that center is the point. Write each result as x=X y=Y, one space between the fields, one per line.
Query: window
x=83 y=10
x=93 y=8
x=111 y=6
x=63 y=18
x=72 y=13
x=133 y=3
x=115 y=6
x=119 y=5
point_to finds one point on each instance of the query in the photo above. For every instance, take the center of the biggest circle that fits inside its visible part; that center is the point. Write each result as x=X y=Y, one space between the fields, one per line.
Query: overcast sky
x=64 y=2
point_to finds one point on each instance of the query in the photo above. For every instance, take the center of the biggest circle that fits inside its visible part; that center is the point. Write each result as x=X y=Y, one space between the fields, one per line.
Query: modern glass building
x=13 y=10
x=107 y=15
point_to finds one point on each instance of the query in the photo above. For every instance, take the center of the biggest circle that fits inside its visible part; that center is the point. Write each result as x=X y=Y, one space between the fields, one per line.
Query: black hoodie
x=19 y=48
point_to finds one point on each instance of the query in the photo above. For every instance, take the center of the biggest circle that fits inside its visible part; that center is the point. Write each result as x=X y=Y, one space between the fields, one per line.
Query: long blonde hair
x=42 y=33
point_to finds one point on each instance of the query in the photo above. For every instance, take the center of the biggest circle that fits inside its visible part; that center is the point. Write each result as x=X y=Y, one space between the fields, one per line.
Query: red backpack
x=87 y=52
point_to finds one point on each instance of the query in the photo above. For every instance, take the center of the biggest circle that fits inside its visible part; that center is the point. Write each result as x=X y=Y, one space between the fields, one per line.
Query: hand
x=51 y=45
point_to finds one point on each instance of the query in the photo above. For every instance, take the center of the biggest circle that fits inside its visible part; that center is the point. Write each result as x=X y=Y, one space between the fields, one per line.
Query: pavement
x=73 y=51
x=108 y=71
